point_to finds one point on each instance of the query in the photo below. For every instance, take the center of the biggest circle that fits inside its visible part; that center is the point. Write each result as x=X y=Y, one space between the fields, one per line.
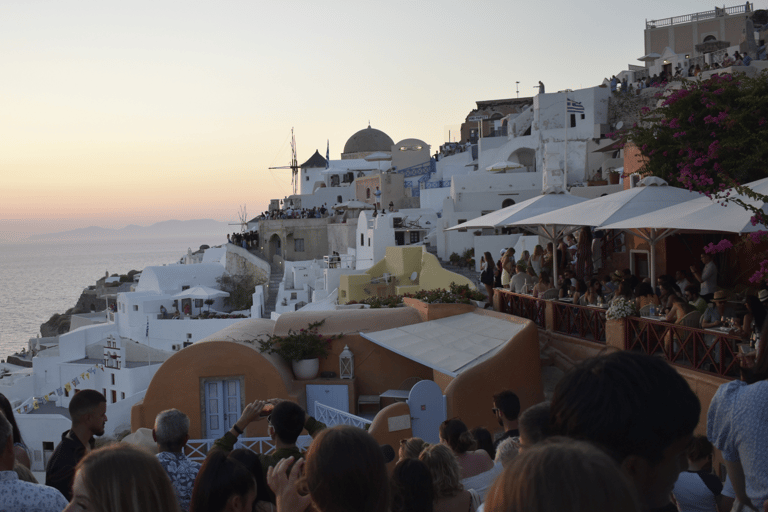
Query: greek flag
x=574 y=107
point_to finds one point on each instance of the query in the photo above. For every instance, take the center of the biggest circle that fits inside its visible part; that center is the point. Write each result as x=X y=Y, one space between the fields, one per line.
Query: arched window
x=507 y=202
x=710 y=38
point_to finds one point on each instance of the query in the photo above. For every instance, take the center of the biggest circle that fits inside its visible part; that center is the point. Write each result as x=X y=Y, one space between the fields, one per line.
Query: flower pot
x=306 y=369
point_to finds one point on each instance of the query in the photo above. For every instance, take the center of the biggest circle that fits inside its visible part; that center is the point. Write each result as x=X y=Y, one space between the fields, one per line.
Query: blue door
x=428 y=410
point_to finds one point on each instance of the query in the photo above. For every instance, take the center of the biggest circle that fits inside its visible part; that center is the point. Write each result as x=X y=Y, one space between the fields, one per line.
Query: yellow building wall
x=400 y=263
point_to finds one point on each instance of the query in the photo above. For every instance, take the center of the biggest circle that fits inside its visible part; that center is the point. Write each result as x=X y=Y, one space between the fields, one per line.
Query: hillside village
x=374 y=222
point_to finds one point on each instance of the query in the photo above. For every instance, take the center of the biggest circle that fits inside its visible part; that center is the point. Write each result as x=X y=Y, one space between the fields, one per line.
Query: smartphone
x=267 y=410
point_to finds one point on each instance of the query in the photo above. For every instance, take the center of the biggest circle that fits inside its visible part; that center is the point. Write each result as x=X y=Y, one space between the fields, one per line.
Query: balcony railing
x=699 y=349
x=197 y=449
x=585 y=322
x=700 y=16
x=332 y=417
x=524 y=306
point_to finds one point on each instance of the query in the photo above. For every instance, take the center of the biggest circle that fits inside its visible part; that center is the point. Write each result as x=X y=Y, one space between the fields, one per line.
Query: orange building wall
x=379 y=429
x=177 y=383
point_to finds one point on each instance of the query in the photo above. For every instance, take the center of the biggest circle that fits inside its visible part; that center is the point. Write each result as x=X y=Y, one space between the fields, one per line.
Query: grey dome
x=368 y=140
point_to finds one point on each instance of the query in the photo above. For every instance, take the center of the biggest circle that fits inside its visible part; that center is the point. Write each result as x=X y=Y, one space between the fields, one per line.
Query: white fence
x=197 y=449
x=332 y=417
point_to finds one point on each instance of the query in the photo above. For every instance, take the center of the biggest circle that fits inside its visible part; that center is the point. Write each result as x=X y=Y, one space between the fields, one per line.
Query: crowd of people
x=245 y=240
x=618 y=434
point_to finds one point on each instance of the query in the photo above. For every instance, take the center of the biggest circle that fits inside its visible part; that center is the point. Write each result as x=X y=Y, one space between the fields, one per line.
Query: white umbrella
x=538 y=205
x=504 y=166
x=201 y=292
x=650 y=195
x=703 y=214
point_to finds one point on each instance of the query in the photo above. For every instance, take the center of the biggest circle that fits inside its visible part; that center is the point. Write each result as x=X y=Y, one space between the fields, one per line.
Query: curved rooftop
x=169 y=279
x=369 y=140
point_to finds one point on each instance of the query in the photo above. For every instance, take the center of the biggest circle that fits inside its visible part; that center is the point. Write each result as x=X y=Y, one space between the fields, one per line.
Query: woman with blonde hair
x=507 y=265
x=449 y=494
x=122 y=478
x=562 y=475
x=411 y=448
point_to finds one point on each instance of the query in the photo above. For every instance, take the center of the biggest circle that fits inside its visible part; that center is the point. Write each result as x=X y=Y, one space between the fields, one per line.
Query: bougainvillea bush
x=711 y=136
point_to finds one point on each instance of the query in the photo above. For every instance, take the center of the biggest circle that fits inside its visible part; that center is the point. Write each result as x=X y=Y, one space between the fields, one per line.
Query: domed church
x=365 y=142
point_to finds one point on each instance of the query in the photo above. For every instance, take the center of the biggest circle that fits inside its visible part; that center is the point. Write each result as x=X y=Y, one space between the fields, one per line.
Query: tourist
x=543 y=285
x=411 y=448
x=679 y=309
x=344 y=471
x=411 y=487
x=487 y=275
x=532 y=280
x=521 y=281
x=584 y=250
x=681 y=280
x=20 y=450
x=497 y=272
x=88 y=410
x=507 y=266
x=171 y=433
x=286 y=422
x=449 y=493
x=455 y=435
x=223 y=485
x=667 y=292
x=537 y=259
x=534 y=425
x=753 y=318
x=264 y=497
x=507 y=451
x=694 y=299
x=635 y=407
x=525 y=257
x=506 y=408
x=484 y=440
x=541 y=87
x=697 y=488
x=594 y=293
x=18 y=495
x=163 y=311
x=719 y=314
x=707 y=277
x=562 y=476
x=578 y=292
x=736 y=426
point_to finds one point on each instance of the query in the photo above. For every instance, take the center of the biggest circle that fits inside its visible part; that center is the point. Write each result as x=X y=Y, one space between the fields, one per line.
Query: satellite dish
x=414 y=275
x=620 y=125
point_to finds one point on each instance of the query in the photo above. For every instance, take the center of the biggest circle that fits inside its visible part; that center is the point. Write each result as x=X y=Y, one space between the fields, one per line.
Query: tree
x=710 y=136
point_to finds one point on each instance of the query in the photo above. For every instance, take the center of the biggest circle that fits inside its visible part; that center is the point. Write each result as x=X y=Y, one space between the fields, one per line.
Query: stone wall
x=240 y=262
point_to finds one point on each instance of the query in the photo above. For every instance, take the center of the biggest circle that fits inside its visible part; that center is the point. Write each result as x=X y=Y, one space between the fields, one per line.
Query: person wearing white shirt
x=707 y=277
x=521 y=280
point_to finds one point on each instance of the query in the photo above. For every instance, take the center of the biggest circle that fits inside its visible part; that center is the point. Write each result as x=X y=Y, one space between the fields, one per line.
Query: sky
x=116 y=113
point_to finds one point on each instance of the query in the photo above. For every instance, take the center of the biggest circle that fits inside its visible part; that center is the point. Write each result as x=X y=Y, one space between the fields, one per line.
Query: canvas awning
x=449 y=345
x=538 y=205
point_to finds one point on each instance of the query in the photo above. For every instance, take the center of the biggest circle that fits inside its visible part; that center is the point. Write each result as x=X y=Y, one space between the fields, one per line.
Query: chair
x=549 y=294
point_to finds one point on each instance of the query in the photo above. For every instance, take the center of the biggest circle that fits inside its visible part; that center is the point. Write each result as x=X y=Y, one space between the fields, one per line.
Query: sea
x=42 y=278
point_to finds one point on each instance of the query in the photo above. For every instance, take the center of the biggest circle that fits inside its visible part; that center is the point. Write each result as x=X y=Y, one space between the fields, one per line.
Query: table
x=398 y=394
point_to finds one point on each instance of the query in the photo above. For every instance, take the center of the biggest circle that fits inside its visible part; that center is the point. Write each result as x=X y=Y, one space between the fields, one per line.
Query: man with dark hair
x=506 y=407
x=286 y=421
x=534 y=425
x=18 y=495
x=638 y=409
x=171 y=434
x=88 y=410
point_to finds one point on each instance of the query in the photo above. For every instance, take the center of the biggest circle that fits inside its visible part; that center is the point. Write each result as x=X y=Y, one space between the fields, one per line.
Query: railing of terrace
x=698 y=349
x=332 y=417
x=524 y=306
x=197 y=449
x=586 y=322
x=700 y=16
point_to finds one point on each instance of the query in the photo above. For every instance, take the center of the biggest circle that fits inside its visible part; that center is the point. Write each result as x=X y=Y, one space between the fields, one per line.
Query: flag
x=35 y=404
x=75 y=381
x=327 y=153
x=67 y=387
x=574 y=107
x=92 y=371
x=60 y=391
x=147 y=333
x=45 y=399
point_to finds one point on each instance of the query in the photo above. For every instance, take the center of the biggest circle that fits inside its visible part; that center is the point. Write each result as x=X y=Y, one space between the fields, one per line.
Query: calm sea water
x=40 y=279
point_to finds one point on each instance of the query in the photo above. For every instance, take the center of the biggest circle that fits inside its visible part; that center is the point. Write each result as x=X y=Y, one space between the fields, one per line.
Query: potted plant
x=302 y=348
x=209 y=303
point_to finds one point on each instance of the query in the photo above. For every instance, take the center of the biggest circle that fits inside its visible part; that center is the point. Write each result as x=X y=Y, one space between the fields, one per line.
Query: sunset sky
x=115 y=113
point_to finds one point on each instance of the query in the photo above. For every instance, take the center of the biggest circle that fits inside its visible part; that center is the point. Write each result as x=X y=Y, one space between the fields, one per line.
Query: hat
x=720 y=296
x=617 y=275
x=503 y=251
x=763 y=295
